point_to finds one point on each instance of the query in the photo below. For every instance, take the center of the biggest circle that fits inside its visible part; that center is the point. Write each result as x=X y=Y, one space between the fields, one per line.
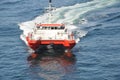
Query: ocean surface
x=96 y=24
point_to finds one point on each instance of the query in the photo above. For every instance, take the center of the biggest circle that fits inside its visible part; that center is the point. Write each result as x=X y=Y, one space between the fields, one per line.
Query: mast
x=50 y=9
x=50 y=4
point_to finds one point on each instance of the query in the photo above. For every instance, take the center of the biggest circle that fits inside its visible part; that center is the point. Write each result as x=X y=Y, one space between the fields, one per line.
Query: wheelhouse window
x=50 y=27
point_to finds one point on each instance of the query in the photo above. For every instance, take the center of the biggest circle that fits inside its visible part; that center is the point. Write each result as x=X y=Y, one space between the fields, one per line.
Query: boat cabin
x=50 y=26
x=50 y=32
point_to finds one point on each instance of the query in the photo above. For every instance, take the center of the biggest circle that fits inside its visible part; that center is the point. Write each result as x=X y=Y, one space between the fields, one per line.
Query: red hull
x=35 y=44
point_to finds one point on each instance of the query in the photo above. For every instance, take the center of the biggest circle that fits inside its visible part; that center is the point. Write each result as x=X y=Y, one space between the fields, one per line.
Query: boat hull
x=35 y=44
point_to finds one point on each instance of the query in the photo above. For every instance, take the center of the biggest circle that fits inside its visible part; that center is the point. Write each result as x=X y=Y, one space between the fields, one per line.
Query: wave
x=73 y=16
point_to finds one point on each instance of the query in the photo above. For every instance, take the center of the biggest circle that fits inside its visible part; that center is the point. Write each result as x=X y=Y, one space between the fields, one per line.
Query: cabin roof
x=50 y=25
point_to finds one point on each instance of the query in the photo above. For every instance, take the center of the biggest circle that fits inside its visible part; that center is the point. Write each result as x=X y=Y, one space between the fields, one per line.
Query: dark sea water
x=97 y=54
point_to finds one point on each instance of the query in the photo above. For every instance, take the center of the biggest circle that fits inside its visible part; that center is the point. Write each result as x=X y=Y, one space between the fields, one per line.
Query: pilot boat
x=50 y=35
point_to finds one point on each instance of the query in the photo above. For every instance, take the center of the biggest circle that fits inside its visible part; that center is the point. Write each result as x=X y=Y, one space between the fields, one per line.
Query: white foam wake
x=68 y=15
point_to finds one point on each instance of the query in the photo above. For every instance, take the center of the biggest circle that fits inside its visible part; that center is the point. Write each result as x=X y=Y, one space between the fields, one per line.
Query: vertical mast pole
x=50 y=10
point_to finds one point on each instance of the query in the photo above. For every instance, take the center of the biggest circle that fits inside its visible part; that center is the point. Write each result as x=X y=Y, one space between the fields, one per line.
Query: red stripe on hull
x=34 y=44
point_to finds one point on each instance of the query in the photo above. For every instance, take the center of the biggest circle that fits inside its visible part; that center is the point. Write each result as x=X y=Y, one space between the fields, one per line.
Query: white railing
x=53 y=37
x=41 y=35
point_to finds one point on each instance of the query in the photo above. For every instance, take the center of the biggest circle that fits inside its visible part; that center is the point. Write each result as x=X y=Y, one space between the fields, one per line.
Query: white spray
x=70 y=15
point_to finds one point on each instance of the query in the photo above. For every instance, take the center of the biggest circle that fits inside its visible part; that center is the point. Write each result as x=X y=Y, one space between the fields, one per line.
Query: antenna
x=50 y=9
x=50 y=5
